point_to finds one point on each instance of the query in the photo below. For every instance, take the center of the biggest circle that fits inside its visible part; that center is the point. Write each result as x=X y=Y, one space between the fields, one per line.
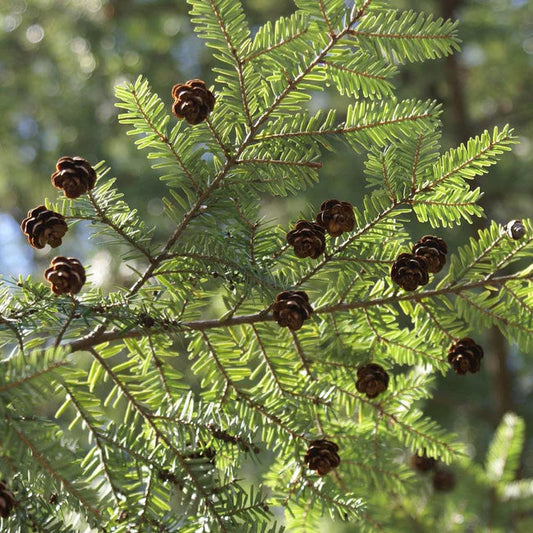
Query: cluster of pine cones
x=410 y=270
x=74 y=176
x=308 y=238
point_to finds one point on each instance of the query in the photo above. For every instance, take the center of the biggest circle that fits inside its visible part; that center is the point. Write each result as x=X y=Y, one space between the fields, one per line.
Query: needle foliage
x=166 y=394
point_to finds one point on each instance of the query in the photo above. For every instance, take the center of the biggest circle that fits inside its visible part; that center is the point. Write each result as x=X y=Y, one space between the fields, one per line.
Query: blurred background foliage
x=61 y=59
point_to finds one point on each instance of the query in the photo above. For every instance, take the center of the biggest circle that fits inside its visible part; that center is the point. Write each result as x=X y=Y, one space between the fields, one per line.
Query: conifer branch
x=478 y=156
x=255 y=55
x=435 y=321
x=353 y=237
x=262 y=316
x=165 y=140
x=505 y=260
x=309 y=164
x=317 y=60
x=97 y=440
x=387 y=341
x=353 y=71
x=45 y=464
x=407 y=36
x=326 y=18
x=66 y=323
x=49 y=369
x=16 y=331
x=159 y=366
x=495 y=316
x=518 y=299
x=244 y=396
x=260 y=385
x=342 y=130
x=268 y=364
x=415 y=165
x=238 y=62
x=217 y=137
x=301 y=355
x=102 y=217
x=249 y=139
x=387 y=181
x=146 y=497
x=394 y=419
x=160 y=435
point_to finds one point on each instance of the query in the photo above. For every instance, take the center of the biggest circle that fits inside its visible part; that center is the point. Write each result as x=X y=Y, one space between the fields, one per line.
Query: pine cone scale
x=372 y=380
x=66 y=275
x=465 y=356
x=409 y=271
x=192 y=101
x=291 y=308
x=42 y=226
x=307 y=239
x=336 y=217
x=433 y=250
x=322 y=456
x=74 y=175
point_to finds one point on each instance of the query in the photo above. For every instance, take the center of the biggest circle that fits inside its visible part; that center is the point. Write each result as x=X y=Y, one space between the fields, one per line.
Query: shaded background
x=61 y=59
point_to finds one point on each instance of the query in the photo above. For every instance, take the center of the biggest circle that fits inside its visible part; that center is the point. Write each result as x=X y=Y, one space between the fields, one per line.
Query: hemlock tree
x=306 y=349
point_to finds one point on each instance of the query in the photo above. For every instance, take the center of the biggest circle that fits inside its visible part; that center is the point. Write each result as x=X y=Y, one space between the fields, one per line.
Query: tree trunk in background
x=496 y=350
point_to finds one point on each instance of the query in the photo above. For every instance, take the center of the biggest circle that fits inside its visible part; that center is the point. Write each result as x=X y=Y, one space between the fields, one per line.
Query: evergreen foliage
x=166 y=390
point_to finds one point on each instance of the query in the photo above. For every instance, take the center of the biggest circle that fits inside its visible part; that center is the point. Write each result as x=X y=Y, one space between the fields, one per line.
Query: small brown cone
x=443 y=480
x=74 y=175
x=336 y=217
x=291 y=308
x=307 y=238
x=515 y=229
x=66 y=275
x=322 y=456
x=433 y=250
x=42 y=226
x=7 y=500
x=193 y=101
x=409 y=271
x=465 y=356
x=421 y=463
x=372 y=379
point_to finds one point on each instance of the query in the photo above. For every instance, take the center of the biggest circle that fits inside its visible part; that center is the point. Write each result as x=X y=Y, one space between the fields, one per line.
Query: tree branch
x=263 y=316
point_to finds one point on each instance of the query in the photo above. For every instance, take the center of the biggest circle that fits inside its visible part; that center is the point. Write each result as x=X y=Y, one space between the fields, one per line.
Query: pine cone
x=43 y=227
x=336 y=217
x=433 y=250
x=443 y=480
x=422 y=463
x=66 y=275
x=465 y=356
x=291 y=308
x=322 y=456
x=308 y=239
x=74 y=175
x=7 y=500
x=409 y=271
x=192 y=101
x=372 y=379
x=515 y=229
